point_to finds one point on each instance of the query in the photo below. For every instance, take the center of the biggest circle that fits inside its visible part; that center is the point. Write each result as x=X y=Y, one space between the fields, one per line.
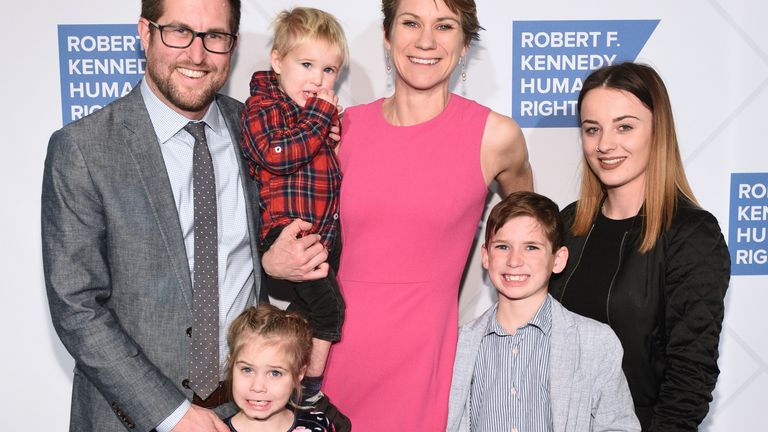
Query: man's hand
x=199 y=419
x=296 y=259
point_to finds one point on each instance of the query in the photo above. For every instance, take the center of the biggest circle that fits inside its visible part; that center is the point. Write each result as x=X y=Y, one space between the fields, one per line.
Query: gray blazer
x=116 y=270
x=588 y=390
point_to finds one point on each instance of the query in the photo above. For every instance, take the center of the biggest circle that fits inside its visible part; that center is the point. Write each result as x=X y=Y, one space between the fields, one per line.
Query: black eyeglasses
x=174 y=36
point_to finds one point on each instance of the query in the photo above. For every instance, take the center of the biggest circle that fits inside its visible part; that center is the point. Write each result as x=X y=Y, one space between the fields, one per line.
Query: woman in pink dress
x=417 y=166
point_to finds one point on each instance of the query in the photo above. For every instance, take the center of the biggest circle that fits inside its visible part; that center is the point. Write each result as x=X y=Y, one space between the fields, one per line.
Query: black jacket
x=666 y=307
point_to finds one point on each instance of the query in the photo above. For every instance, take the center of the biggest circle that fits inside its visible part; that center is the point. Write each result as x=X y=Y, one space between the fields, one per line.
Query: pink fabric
x=411 y=200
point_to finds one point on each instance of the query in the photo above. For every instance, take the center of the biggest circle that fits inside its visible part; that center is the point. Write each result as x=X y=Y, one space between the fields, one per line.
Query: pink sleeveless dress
x=411 y=201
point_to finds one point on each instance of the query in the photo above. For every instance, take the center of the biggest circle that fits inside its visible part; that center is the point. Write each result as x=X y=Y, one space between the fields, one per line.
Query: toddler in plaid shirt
x=286 y=125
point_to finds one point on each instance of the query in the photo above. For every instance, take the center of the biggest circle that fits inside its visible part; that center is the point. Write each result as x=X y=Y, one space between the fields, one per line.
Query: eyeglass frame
x=195 y=34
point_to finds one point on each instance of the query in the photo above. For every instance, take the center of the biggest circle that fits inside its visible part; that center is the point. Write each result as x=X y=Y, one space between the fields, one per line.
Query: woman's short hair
x=465 y=9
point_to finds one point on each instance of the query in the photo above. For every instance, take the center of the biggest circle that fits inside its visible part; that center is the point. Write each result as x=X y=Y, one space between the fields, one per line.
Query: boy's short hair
x=524 y=203
x=295 y=26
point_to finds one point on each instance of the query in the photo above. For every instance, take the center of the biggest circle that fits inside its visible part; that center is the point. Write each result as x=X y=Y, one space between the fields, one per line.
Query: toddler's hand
x=328 y=96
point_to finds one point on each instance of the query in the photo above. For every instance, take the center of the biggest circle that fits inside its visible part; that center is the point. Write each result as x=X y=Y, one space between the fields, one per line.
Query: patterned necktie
x=204 y=356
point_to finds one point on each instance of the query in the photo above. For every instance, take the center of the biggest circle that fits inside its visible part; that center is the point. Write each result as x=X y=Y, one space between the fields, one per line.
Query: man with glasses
x=137 y=264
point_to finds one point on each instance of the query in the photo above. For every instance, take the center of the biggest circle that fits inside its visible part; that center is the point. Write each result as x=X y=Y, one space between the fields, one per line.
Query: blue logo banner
x=98 y=64
x=552 y=58
x=748 y=223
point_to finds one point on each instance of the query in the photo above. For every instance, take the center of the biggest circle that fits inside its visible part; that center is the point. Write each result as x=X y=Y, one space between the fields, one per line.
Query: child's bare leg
x=320 y=350
x=313 y=378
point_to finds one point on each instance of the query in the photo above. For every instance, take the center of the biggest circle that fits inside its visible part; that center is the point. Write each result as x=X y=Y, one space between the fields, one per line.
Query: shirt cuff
x=172 y=420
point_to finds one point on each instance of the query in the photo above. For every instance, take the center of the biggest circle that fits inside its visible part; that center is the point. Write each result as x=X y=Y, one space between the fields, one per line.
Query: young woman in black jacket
x=644 y=257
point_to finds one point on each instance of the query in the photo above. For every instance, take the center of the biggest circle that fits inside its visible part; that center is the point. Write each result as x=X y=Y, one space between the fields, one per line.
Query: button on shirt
x=510 y=382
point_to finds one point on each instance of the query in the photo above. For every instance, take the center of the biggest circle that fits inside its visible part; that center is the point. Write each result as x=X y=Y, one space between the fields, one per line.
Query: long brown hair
x=665 y=176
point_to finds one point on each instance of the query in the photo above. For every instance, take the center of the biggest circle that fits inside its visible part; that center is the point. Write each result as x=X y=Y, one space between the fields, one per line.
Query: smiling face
x=187 y=79
x=616 y=130
x=520 y=260
x=262 y=383
x=425 y=43
x=306 y=68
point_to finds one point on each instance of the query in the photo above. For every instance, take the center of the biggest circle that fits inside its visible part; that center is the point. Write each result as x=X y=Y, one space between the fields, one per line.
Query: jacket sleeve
x=612 y=407
x=77 y=278
x=271 y=143
x=697 y=275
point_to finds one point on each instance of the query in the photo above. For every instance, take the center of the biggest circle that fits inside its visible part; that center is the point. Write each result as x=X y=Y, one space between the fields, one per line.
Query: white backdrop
x=713 y=56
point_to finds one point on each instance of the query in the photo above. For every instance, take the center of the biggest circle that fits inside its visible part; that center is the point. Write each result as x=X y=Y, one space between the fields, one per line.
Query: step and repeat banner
x=74 y=57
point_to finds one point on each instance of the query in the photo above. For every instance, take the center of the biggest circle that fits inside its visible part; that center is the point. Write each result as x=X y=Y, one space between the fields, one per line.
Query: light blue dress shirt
x=235 y=255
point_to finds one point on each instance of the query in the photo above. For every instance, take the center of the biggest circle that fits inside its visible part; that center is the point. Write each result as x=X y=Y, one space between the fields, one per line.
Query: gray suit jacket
x=588 y=390
x=116 y=270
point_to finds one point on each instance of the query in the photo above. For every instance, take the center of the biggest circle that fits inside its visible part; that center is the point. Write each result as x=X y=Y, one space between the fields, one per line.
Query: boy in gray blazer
x=527 y=363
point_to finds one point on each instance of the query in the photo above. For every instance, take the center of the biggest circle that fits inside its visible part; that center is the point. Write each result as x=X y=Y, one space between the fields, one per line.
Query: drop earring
x=387 y=63
x=463 y=63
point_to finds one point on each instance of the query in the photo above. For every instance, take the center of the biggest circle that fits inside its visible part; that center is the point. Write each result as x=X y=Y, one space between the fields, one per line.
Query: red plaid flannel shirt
x=291 y=157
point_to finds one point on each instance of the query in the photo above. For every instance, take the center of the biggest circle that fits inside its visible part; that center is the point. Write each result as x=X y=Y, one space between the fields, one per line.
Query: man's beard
x=185 y=101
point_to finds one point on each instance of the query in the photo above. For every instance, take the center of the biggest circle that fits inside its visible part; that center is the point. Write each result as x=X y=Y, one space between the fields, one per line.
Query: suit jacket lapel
x=141 y=140
x=563 y=358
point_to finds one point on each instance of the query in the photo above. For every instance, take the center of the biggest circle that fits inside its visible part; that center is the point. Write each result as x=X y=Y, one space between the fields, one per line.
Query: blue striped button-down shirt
x=510 y=383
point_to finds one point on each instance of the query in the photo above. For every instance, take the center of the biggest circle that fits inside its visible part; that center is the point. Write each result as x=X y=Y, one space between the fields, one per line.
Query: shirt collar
x=168 y=122
x=266 y=84
x=541 y=320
